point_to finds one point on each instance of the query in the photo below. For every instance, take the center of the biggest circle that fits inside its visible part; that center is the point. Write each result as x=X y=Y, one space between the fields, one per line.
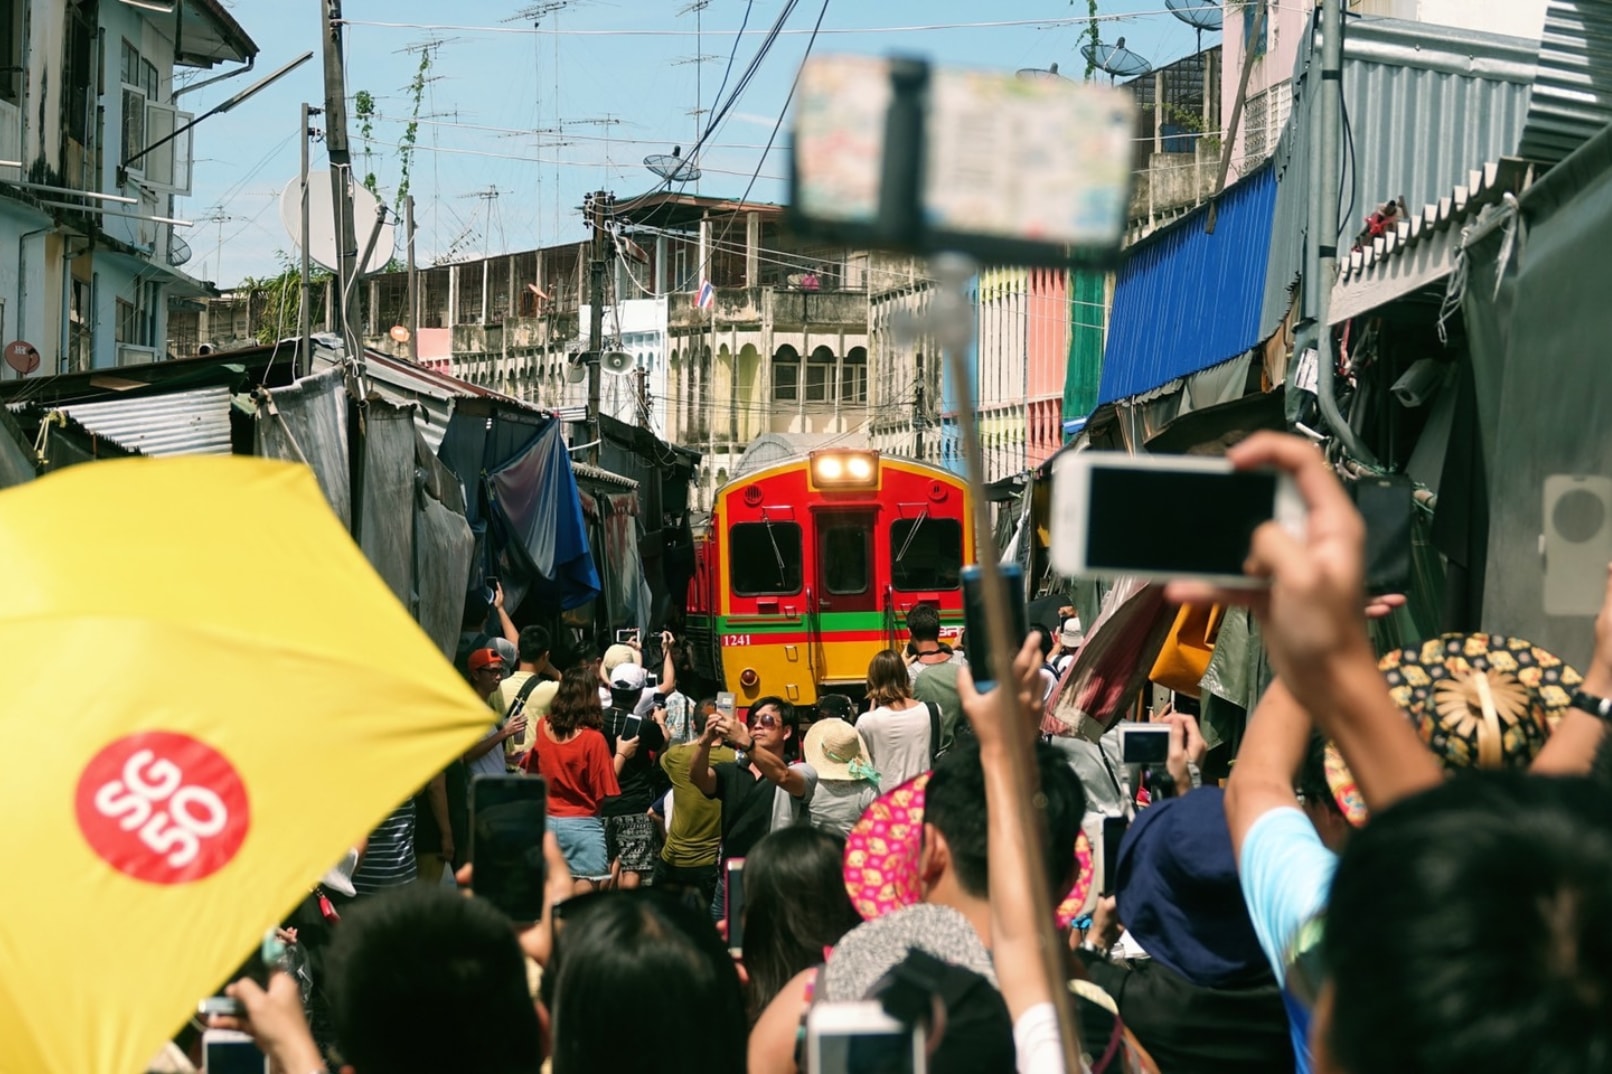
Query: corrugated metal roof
x=183 y=423
x=1425 y=104
x=1421 y=249
x=604 y=477
x=1572 y=99
x=1185 y=299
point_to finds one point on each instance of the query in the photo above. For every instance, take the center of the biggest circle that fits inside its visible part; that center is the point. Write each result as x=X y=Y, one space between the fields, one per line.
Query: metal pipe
x=251 y=61
x=304 y=364
x=48 y=189
x=1324 y=210
x=112 y=212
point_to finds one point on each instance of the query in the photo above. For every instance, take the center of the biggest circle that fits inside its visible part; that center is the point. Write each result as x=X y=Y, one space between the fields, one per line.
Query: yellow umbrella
x=207 y=695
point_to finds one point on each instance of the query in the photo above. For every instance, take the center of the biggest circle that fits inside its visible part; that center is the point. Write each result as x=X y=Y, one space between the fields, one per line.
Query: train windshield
x=764 y=558
x=926 y=553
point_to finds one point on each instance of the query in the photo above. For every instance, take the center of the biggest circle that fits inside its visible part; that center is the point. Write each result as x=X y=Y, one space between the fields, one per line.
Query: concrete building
x=88 y=172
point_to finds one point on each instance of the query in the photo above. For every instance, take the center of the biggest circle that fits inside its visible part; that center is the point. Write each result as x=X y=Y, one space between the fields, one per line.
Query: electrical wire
x=732 y=53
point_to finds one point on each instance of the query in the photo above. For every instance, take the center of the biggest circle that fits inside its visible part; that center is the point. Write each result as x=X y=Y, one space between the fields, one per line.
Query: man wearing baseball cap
x=486 y=758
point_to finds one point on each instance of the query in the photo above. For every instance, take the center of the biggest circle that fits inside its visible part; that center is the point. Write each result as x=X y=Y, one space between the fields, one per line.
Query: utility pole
x=340 y=172
x=919 y=418
x=595 y=210
x=305 y=316
x=642 y=376
x=413 y=322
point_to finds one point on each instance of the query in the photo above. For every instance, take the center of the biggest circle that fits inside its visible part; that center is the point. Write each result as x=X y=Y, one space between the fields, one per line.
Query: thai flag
x=707 y=296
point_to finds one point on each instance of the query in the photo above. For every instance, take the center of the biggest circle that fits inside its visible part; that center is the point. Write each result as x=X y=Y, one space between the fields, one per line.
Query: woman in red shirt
x=570 y=752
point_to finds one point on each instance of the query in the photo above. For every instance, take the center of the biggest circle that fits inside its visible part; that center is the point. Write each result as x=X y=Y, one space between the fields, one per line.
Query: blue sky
x=608 y=99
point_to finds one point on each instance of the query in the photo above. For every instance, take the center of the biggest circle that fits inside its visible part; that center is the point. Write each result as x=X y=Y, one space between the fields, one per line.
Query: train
x=808 y=567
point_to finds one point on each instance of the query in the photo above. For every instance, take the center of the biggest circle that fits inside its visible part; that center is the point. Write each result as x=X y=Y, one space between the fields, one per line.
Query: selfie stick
x=953 y=327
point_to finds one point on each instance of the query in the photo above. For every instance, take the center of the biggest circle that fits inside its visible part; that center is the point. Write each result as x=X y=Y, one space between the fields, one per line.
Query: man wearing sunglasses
x=761 y=791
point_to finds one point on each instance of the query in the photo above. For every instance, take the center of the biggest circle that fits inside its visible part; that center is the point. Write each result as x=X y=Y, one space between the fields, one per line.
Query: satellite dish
x=322 y=230
x=399 y=333
x=1040 y=74
x=1116 y=59
x=617 y=362
x=672 y=167
x=1201 y=15
x=22 y=356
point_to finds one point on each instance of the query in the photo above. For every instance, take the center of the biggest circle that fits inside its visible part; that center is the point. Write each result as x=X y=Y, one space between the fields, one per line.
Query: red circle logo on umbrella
x=163 y=807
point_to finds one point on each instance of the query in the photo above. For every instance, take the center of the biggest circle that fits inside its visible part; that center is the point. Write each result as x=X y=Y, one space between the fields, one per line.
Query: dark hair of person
x=836 y=707
x=954 y=802
x=789 y=718
x=1312 y=782
x=700 y=714
x=888 y=678
x=576 y=702
x=923 y=623
x=1601 y=766
x=606 y=988
x=1422 y=980
x=795 y=906
x=422 y=956
x=534 y=643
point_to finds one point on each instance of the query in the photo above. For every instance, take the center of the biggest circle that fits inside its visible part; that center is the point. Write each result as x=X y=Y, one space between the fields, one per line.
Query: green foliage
x=278 y=295
x=364 y=112
x=1093 y=36
x=405 y=147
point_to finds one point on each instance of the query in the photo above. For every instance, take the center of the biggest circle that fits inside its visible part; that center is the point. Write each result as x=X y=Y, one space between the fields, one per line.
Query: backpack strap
x=525 y=692
x=934 y=732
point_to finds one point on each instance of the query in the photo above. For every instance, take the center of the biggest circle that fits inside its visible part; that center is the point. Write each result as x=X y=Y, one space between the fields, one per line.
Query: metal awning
x=604 y=477
x=183 y=423
x=1421 y=250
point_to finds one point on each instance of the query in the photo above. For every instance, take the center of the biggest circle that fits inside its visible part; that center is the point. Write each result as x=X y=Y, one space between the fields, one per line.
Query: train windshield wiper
x=916 y=526
x=777 y=553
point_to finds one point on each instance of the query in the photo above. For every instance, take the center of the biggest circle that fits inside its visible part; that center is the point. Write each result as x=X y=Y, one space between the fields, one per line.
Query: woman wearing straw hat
x=846 y=781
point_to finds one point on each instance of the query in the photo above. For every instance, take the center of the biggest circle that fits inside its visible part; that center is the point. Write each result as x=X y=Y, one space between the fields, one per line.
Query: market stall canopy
x=243 y=660
x=1188 y=298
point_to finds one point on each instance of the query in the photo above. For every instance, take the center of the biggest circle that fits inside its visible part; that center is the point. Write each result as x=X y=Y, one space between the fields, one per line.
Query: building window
x=1251 y=14
x=134 y=104
x=764 y=558
x=128 y=330
x=786 y=375
x=820 y=376
x=854 y=376
x=11 y=58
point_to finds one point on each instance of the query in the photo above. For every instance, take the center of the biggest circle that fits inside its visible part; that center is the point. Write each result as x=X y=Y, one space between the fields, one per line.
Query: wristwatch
x=1595 y=706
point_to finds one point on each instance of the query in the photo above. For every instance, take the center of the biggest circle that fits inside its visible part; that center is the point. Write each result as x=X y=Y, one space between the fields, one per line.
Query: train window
x=926 y=553
x=764 y=558
x=845 y=555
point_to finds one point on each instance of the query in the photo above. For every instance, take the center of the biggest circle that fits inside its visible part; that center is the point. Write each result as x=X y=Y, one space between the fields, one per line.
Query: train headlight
x=845 y=469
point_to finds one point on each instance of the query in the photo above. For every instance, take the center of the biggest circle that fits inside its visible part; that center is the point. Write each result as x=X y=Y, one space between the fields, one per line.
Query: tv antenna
x=1201 y=15
x=672 y=167
x=1116 y=59
x=220 y=217
x=697 y=9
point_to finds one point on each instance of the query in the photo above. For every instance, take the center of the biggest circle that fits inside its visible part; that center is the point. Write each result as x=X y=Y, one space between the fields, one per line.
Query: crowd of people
x=1407 y=869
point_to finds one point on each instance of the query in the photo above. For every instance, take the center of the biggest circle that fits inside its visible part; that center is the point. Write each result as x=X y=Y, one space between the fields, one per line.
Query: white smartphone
x=1577 y=543
x=1144 y=743
x=1107 y=508
x=726 y=704
x=859 y=1038
x=225 y=1051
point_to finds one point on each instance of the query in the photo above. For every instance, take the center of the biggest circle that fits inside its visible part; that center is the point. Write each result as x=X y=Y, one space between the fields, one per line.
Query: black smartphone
x=631 y=726
x=507 y=821
x=1113 y=835
x=977 y=635
x=735 y=905
x=1387 y=504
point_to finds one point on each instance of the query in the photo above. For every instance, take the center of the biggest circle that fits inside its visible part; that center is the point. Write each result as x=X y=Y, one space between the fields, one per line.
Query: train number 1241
x=735 y=639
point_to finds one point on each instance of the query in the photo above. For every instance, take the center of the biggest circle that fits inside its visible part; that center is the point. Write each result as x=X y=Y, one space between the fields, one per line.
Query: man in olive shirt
x=694 y=833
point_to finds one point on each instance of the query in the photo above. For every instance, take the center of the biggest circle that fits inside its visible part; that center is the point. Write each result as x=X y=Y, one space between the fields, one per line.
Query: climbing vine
x=277 y=297
x=411 y=133
x=364 y=112
x=1093 y=37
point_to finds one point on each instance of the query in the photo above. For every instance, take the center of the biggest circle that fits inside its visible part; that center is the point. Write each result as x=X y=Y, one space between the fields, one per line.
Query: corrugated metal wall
x=1185 y=299
x=184 y=423
x=1426 y=104
x=1572 y=100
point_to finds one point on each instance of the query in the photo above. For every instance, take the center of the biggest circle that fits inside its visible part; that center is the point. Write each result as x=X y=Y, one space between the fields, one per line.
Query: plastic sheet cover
x=535 y=520
x=386 y=529
x=1113 y=665
x=1546 y=404
x=627 y=595
x=16 y=454
x=307 y=423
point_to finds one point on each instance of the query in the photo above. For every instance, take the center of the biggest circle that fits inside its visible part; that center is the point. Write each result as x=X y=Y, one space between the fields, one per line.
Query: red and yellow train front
x=815 y=563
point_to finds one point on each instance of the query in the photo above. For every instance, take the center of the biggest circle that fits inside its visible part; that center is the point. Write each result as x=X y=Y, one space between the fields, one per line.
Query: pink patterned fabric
x=882 y=851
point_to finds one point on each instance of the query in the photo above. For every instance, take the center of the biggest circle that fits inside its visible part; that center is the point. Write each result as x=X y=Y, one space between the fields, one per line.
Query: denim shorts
x=582 y=841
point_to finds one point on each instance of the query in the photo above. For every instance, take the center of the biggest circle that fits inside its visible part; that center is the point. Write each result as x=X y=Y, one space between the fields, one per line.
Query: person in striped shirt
x=388 y=858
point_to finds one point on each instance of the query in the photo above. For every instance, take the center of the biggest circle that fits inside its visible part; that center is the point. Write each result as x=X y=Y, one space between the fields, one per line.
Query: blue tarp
x=1186 y=300
x=522 y=504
